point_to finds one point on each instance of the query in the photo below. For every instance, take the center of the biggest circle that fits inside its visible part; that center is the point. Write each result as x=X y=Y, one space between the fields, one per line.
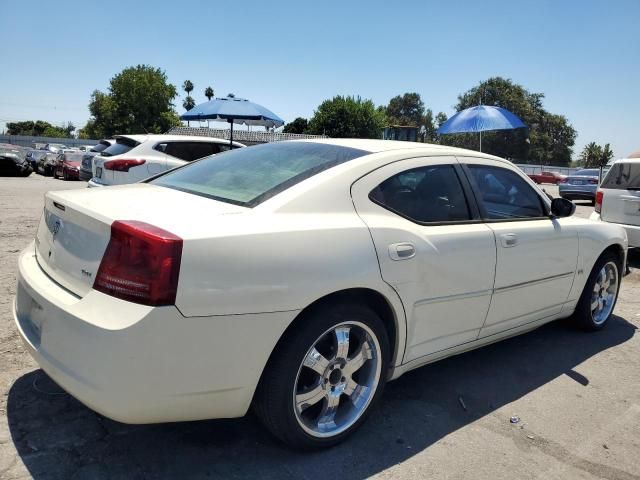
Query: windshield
x=249 y=176
x=623 y=176
x=122 y=145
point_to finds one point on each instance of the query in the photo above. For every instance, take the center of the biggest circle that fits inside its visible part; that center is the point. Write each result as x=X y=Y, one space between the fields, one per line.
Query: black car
x=13 y=161
x=86 y=168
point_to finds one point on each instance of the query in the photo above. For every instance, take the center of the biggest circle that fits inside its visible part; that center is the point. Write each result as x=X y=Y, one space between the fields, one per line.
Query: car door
x=432 y=249
x=180 y=152
x=536 y=254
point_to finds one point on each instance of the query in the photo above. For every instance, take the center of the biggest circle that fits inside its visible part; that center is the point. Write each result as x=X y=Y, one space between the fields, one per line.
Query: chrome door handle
x=402 y=251
x=508 y=240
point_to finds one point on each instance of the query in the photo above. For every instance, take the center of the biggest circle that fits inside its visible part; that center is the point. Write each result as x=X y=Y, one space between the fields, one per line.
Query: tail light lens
x=593 y=181
x=141 y=264
x=599 y=197
x=562 y=180
x=122 y=165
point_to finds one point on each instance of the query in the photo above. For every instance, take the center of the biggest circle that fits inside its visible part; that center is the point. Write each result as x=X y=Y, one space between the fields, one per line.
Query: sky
x=289 y=56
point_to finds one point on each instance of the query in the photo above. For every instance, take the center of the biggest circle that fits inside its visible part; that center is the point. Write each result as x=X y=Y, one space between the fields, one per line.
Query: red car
x=547 y=177
x=68 y=166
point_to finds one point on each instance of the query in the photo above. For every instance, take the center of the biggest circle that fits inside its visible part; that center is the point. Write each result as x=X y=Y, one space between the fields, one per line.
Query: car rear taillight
x=122 y=165
x=599 y=197
x=563 y=180
x=141 y=264
x=593 y=181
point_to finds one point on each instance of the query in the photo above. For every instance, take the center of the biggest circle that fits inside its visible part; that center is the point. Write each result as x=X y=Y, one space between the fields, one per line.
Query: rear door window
x=623 y=176
x=431 y=194
x=189 y=151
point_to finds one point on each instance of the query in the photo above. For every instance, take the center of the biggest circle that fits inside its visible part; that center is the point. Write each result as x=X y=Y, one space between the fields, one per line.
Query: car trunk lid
x=75 y=228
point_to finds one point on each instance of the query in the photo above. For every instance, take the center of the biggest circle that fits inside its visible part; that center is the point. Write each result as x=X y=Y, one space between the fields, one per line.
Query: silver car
x=582 y=185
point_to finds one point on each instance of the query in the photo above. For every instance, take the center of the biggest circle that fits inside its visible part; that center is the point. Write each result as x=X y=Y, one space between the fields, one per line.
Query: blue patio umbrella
x=481 y=119
x=234 y=110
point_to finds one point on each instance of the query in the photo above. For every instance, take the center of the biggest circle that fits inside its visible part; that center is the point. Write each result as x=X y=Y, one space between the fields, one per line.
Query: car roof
x=378 y=146
x=627 y=160
x=172 y=138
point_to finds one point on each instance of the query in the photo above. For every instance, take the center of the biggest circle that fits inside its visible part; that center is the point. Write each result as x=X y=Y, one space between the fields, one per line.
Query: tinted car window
x=504 y=194
x=623 y=176
x=424 y=195
x=122 y=145
x=249 y=176
x=190 y=150
x=99 y=147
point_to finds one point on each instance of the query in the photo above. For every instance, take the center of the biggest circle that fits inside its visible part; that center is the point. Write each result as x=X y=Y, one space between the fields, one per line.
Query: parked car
x=86 y=169
x=298 y=277
x=34 y=156
x=13 y=161
x=136 y=157
x=47 y=164
x=54 y=147
x=68 y=166
x=547 y=177
x=581 y=185
x=618 y=198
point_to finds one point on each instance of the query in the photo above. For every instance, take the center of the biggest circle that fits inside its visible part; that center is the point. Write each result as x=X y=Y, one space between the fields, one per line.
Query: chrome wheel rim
x=337 y=379
x=604 y=293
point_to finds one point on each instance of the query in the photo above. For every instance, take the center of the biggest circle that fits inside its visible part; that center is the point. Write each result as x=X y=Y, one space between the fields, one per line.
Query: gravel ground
x=577 y=397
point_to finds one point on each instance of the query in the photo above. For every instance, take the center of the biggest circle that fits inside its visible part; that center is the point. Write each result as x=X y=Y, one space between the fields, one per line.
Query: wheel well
x=617 y=250
x=361 y=296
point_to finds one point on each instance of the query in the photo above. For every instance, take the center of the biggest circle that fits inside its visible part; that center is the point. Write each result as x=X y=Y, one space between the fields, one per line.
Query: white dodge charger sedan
x=299 y=277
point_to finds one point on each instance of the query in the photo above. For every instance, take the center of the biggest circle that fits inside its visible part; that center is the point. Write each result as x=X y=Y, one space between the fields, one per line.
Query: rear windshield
x=623 y=176
x=99 y=147
x=122 y=145
x=249 y=176
x=588 y=172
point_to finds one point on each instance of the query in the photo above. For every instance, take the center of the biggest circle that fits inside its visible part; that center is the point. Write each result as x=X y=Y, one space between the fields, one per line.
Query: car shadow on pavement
x=57 y=437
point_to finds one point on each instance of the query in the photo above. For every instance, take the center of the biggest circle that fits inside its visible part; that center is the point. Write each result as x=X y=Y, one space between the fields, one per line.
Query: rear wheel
x=600 y=293
x=324 y=377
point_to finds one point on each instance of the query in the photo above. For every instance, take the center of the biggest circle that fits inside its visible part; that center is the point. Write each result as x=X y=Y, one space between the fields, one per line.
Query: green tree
x=548 y=139
x=344 y=117
x=441 y=117
x=595 y=156
x=407 y=109
x=40 y=128
x=187 y=86
x=299 y=125
x=208 y=92
x=189 y=103
x=139 y=100
x=591 y=155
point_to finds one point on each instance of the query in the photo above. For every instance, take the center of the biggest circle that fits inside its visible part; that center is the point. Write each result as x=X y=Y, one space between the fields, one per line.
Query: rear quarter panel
x=594 y=239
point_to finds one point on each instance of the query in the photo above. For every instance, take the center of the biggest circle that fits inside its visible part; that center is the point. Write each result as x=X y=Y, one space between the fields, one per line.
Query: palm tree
x=187 y=86
x=591 y=155
x=188 y=103
x=607 y=154
x=208 y=92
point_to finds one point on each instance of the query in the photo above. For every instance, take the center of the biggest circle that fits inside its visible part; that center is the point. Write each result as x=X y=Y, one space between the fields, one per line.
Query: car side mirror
x=561 y=207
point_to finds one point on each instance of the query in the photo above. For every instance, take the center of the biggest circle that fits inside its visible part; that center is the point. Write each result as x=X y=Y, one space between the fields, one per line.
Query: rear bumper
x=577 y=192
x=633 y=231
x=85 y=175
x=94 y=182
x=139 y=364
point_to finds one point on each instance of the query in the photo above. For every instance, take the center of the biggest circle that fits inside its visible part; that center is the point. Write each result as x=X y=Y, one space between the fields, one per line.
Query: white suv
x=133 y=158
x=618 y=198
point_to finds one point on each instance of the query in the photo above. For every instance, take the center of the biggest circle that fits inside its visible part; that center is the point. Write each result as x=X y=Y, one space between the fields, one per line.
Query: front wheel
x=600 y=293
x=324 y=376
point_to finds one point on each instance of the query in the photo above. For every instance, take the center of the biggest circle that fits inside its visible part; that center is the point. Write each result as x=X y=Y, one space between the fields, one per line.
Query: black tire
x=582 y=316
x=273 y=401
